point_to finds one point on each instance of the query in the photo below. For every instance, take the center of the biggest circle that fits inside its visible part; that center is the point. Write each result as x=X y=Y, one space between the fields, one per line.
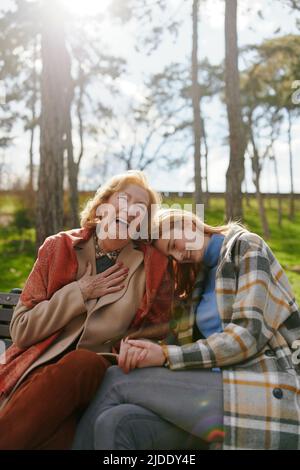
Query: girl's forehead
x=175 y=225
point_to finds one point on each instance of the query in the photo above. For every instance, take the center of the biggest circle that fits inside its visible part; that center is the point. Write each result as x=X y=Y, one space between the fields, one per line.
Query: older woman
x=88 y=288
x=230 y=377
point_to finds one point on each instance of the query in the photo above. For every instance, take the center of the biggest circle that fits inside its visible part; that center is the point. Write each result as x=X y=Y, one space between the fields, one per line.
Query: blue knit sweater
x=207 y=315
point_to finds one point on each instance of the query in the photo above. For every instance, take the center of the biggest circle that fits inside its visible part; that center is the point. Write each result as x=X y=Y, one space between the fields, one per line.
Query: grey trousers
x=153 y=408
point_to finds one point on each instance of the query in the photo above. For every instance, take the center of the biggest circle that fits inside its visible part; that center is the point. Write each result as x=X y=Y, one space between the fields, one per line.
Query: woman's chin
x=115 y=244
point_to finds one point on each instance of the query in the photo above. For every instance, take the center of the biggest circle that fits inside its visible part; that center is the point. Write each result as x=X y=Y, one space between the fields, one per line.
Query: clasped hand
x=139 y=353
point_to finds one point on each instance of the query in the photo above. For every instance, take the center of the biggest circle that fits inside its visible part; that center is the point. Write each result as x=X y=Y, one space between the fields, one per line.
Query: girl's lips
x=185 y=259
x=189 y=258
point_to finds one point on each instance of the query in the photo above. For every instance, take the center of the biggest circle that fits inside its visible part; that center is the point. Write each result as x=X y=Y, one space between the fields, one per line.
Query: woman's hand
x=139 y=353
x=111 y=280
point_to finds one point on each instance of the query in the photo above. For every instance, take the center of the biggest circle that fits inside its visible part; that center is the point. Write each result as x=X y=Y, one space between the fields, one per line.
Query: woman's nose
x=127 y=215
x=136 y=212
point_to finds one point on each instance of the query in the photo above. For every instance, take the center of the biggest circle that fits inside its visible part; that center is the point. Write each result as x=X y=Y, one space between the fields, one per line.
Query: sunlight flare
x=86 y=7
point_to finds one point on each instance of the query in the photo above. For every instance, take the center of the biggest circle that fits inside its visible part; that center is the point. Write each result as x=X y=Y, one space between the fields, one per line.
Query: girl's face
x=183 y=247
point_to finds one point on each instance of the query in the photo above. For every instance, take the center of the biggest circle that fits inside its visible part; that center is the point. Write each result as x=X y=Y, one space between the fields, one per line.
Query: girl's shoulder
x=250 y=244
x=250 y=241
x=239 y=241
x=240 y=244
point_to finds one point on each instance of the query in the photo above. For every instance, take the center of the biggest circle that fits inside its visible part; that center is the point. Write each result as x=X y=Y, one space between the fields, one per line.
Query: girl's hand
x=111 y=280
x=129 y=356
x=140 y=353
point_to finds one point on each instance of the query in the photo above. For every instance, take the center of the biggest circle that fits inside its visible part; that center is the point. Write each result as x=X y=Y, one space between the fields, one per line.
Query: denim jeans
x=153 y=408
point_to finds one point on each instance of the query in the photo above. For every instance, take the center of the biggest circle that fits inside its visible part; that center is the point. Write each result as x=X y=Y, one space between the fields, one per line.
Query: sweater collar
x=212 y=251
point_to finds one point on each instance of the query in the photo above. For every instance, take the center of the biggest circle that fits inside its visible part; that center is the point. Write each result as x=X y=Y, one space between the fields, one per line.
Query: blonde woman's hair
x=184 y=274
x=88 y=218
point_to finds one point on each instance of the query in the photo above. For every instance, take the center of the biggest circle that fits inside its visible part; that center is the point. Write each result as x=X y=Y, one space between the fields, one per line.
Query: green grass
x=16 y=262
x=284 y=242
x=9 y=203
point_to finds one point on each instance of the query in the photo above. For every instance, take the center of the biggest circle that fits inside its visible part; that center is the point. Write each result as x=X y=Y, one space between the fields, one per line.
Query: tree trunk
x=279 y=199
x=235 y=172
x=73 y=167
x=30 y=181
x=196 y=107
x=292 y=198
x=261 y=208
x=204 y=139
x=247 y=196
x=53 y=118
x=33 y=118
x=256 y=168
x=72 y=176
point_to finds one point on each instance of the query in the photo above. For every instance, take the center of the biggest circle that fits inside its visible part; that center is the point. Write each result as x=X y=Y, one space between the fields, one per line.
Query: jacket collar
x=85 y=251
x=230 y=238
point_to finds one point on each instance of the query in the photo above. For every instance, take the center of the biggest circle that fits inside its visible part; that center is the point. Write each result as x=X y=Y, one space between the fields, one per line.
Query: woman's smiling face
x=129 y=204
x=122 y=208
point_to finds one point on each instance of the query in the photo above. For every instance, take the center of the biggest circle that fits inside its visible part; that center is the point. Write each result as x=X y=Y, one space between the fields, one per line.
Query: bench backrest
x=7 y=304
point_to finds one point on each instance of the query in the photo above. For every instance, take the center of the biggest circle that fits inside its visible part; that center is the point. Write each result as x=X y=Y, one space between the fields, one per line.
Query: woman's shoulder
x=62 y=243
x=66 y=238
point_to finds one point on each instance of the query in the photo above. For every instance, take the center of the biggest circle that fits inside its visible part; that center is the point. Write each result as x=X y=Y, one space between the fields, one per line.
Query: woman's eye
x=138 y=210
x=141 y=207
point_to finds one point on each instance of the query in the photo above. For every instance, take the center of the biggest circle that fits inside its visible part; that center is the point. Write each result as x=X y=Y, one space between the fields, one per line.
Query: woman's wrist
x=166 y=356
x=84 y=290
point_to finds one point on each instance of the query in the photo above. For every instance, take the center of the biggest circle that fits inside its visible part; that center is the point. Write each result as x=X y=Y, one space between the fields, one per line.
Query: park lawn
x=284 y=242
x=9 y=203
x=17 y=261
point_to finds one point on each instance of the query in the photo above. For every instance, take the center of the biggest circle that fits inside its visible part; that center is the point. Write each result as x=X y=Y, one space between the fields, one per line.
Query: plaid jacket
x=255 y=352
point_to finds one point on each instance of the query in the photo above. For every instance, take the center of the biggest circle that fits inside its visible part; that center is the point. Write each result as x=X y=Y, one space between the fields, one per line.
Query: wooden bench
x=7 y=303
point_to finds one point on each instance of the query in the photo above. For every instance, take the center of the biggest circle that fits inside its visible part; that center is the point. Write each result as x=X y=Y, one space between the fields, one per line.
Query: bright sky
x=211 y=44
